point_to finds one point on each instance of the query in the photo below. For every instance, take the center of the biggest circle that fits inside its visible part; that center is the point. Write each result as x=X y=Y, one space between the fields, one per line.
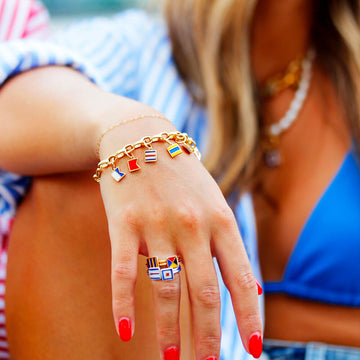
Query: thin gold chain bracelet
x=123 y=122
x=177 y=142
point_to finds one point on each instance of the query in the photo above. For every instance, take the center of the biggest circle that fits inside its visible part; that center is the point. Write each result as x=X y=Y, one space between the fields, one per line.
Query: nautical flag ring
x=163 y=274
x=171 y=261
x=163 y=269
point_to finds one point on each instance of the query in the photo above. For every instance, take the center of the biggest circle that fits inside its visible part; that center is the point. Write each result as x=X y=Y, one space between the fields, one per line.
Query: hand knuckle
x=224 y=216
x=124 y=270
x=158 y=214
x=127 y=216
x=244 y=280
x=208 y=296
x=189 y=215
x=169 y=291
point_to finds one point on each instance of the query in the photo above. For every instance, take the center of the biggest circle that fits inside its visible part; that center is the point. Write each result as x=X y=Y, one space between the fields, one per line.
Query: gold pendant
x=270 y=144
x=272 y=158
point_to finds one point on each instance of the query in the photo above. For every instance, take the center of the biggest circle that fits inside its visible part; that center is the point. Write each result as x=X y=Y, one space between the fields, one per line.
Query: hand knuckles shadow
x=244 y=280
x=124 y=270
x=189 y=215
x=158 y=215
x=223 y=216
x=209 y=296
x=128 y=216
x=169 y=290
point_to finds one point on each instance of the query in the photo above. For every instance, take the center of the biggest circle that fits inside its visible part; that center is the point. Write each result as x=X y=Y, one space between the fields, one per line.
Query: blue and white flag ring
x=158 y=273
x=154 y=273
x=163 y=269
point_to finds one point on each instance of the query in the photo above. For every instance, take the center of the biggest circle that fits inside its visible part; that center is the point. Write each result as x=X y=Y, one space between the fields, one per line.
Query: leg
x=58 y=302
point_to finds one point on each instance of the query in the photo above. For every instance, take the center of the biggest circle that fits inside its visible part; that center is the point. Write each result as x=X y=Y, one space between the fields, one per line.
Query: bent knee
x=66 y=193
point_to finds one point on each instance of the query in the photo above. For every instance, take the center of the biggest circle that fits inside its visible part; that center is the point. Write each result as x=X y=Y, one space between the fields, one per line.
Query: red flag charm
x=133 y=165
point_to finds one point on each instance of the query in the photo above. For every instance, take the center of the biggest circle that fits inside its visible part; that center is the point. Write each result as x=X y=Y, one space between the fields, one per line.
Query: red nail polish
x=125 y=329
x=260 y=289
x=255 y=345
x=211 y=358
x=172 y=354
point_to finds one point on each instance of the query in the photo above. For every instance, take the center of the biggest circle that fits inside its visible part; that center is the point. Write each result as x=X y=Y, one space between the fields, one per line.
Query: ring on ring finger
x=163 y=269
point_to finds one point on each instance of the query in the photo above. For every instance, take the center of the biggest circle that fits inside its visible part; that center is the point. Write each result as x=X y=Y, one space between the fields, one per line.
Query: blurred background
x=64 y=12
x=72 y=8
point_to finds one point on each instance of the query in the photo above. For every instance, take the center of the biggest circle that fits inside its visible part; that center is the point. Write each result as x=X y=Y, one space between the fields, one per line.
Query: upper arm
x=106 y=50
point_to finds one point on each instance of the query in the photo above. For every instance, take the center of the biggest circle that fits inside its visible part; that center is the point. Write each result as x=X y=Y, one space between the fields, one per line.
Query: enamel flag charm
x=117 y=175
x=133 y=165
x=188 y=148
x=197 y=153
x=172 y=262
x=152 y=262
x=154 y=273
x=150 y=156
x=167 y=274
x=174 y=150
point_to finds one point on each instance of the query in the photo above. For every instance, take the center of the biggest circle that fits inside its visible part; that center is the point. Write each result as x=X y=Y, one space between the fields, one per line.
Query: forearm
x=51 y=119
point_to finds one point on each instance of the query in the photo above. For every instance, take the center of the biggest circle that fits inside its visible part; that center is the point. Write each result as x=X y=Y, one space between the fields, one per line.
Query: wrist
x=176 y=142
x=132 y=131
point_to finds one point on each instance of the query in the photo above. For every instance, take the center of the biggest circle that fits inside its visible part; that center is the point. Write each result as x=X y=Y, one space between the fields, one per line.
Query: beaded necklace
x=272 y=133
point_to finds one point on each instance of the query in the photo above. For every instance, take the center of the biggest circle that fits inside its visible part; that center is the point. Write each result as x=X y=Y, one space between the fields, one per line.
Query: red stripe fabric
x=22 y=18
x=18 y=19
x=15 y=11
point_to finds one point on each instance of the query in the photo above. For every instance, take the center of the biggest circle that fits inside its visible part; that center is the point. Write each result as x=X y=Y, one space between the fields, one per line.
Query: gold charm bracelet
x=123 y=122
x=177 y=142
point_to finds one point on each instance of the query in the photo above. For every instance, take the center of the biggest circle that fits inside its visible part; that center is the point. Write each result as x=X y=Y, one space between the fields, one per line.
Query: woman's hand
x=174 y=207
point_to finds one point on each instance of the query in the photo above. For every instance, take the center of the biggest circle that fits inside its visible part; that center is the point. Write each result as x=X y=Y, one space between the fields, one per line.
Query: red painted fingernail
x=255 y=345
x=211 y=358
x=172 y=354
x=125 y=329
x=260 y=289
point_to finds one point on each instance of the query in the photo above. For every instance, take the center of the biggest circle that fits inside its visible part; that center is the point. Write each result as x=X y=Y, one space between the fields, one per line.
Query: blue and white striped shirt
x=130 y=55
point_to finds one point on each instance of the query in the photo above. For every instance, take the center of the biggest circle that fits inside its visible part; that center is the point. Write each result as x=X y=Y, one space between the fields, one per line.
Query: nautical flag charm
x=154 y=273
x=163 y=269
x=197 y=153
x=152 y=262
x=117 y=175
x=172 y=262
x=133 y=165
x=188 y=148
x=174 y=150
x=167 y=274
x=150 y=156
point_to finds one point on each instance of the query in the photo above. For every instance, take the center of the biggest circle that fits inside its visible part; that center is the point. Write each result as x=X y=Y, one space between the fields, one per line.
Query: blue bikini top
x=325 y=262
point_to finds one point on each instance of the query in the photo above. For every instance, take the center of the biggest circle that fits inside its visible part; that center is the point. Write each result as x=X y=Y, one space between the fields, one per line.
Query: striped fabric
x=130 y=55
x=18 y=19
x=22 y=18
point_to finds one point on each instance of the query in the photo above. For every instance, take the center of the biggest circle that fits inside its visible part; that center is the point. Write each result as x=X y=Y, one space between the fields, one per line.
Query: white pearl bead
x=275 y=129
x=286 y=121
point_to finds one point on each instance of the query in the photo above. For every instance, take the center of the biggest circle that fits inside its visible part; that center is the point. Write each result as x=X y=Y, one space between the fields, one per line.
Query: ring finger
x=205 y=303
x=166 y=298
